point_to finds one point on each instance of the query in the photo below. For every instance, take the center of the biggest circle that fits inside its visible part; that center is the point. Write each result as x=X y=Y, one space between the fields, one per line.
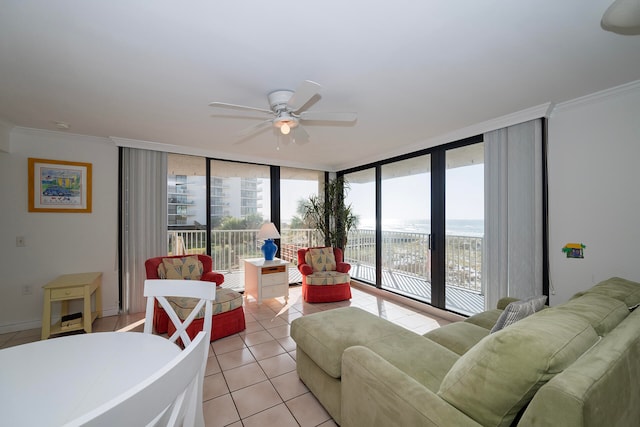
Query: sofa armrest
x=305 y=269
x=212 y=276
x=343 y=267
x=392 y=397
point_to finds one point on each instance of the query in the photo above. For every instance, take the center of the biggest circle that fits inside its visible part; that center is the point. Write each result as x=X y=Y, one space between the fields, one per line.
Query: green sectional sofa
x=575 y=364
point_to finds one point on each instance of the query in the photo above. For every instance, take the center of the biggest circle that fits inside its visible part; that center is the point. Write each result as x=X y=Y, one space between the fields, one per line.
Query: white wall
x=5 y=130
x=594 y=189
x=56 y=243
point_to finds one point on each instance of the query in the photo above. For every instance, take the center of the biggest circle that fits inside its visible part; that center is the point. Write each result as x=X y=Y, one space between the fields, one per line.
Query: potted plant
x=329 y=214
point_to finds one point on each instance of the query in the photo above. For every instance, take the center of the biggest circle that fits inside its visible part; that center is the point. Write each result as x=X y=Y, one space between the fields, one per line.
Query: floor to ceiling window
x=428 y=241
x=361 y=244
x=464 y=223
x=296 y=186
x=406 y=227
x=240 y=203
x=186 y=204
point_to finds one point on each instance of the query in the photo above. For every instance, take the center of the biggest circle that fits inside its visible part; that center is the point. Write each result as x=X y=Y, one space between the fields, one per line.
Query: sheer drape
x=144 y=219
x=513 y=252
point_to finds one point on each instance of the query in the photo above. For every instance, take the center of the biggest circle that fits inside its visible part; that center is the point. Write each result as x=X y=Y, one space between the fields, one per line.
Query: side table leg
x=46 y=315
x=87 y=316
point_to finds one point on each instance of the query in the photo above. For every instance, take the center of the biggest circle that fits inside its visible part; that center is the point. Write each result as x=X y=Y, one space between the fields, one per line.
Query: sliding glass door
x=464 y=223
x=406 y=227
x=360 y=251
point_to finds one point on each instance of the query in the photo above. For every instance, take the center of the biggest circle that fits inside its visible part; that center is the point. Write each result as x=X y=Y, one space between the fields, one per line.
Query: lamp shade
x=268 y=231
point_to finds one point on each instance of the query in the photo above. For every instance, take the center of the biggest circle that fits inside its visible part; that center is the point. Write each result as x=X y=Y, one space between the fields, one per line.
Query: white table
x=266 y=279
x=51 y=382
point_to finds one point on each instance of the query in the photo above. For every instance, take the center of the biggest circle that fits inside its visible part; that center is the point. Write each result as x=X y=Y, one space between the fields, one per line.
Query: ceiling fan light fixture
x=622 y=17
x=285 y=129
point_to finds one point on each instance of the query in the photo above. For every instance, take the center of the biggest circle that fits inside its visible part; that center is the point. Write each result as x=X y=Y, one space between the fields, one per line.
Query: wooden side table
x=266 y=279
x=69 y=287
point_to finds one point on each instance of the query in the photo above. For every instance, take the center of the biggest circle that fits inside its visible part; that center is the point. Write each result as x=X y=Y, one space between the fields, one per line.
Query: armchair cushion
x=185 y=268
x=226 y=300
x=321 y=259
x=327 y=278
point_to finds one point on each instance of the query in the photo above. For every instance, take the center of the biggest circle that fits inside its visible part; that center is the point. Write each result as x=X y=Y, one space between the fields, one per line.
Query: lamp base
x=269 y=249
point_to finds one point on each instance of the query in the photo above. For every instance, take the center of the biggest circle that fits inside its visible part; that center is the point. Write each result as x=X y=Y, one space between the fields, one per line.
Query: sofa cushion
x=428 y=371
x=497 y=377
x=321 y=259
x=325 y=335
x=458 y=337
x=518 y=310
x=602 y=312
x=618 y=288
x=183 y=268
x=327 y=278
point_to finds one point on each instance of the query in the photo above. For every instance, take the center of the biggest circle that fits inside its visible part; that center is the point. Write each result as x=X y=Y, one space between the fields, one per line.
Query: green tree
x=298 y=221
x=329 y=214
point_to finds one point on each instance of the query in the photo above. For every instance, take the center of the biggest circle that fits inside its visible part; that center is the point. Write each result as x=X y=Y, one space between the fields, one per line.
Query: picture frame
x=59 y=186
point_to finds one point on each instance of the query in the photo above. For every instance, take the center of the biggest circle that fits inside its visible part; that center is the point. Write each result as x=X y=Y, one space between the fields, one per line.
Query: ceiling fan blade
x=303 y=95
x=246 y=133
x=300 y=136
x=238 y=107
x=330 y=117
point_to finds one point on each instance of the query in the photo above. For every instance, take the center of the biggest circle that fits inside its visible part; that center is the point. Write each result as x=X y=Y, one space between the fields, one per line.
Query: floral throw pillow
x=183 y=268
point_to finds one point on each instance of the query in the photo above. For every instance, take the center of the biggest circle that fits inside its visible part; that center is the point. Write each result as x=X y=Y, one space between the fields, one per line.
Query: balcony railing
x=404 y=253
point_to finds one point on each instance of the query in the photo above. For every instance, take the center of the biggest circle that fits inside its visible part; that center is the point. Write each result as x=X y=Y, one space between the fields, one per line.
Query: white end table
x=266 y=279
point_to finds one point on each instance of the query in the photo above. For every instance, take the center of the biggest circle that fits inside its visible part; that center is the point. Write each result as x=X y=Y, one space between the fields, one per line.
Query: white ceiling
x=413 y=70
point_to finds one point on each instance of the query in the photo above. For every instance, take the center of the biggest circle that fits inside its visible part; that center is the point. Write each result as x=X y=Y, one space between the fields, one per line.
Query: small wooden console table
x=69 y=287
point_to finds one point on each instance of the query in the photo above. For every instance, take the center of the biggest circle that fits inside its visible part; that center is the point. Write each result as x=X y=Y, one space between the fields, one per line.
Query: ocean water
x=456 y=227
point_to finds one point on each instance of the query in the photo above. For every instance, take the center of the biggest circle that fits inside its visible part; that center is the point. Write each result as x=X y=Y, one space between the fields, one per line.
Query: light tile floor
x=251 y=377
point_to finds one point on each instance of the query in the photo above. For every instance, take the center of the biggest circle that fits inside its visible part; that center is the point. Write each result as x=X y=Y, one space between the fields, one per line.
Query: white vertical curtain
x=144 y=220
x=513 y=252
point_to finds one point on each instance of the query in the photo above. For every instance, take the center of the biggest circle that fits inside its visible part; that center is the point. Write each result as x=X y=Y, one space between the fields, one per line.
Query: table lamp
x=268 y=232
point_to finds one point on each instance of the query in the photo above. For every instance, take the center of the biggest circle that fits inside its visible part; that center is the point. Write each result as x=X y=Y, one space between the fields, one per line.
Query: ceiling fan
x=288 y=109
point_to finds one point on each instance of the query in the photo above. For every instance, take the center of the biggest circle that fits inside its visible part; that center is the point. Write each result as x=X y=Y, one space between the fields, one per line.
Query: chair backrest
x=159 y=289
x=167 y=398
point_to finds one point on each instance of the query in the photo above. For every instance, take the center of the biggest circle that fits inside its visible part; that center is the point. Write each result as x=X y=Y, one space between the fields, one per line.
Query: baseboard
x=37 y=324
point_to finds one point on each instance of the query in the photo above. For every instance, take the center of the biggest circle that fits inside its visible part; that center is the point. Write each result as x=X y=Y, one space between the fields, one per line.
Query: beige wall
x=594 y=189
x=56 y=243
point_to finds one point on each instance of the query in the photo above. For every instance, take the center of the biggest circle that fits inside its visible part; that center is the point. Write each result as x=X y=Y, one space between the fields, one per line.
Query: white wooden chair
x=169 y=397
x=159 y=289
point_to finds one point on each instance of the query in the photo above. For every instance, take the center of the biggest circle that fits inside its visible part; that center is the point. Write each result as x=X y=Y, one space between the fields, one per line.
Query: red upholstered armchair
x=228 y=314
x=325 y=275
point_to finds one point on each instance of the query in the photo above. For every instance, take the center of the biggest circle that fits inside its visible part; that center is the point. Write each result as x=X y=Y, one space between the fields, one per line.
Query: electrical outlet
x=20 y=242
x=27 y=290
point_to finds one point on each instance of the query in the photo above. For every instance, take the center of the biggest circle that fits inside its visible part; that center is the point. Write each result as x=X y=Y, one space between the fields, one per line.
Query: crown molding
x=598 y=96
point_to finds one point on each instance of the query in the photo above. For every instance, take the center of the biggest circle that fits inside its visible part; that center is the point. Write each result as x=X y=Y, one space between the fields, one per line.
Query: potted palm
x=329 y=214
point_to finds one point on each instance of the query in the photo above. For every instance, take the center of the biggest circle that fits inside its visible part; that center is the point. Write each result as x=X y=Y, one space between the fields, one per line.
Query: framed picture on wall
x=59 y=186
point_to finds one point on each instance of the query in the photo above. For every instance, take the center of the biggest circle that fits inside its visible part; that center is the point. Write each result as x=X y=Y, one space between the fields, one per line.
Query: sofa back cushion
x=617 y=288
x=321 y=259
x=602 y=312
x=497 y=377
